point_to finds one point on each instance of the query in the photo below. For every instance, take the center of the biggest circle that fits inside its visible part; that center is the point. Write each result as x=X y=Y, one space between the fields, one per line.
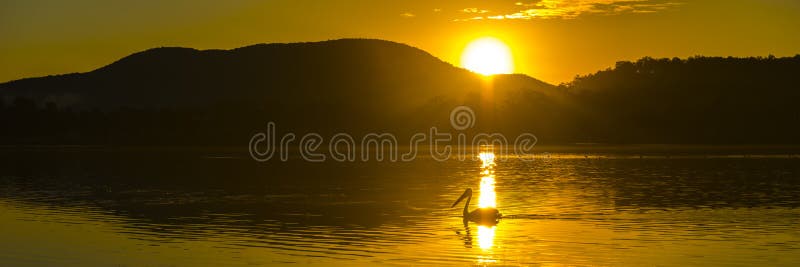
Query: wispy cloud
x=407 y=15
x=474 y=10
x=570 y=9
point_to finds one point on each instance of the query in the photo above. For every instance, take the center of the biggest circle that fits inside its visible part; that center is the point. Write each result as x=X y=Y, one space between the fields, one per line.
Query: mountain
x=182 y=95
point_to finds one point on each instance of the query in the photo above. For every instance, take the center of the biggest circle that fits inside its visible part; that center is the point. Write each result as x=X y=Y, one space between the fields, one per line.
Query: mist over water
x=213 y=208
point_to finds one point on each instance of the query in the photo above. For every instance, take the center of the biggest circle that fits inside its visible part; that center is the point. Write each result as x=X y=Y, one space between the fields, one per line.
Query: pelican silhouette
x=482 y=216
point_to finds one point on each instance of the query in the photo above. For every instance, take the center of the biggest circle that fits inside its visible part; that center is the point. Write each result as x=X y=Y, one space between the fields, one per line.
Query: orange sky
x=552 y=40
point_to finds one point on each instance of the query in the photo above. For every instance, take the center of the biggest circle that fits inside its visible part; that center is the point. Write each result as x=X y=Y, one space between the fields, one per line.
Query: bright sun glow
x=487 y=56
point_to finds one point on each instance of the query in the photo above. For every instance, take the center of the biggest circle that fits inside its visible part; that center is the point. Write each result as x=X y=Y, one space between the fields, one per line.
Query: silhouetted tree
x=697 y=100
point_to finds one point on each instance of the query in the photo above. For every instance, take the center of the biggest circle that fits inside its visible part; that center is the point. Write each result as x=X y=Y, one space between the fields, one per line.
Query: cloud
x=474 y=10
x=407 y=15
x=570 y=9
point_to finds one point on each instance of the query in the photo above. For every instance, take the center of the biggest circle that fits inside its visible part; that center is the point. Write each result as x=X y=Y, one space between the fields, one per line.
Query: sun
x=487 y=56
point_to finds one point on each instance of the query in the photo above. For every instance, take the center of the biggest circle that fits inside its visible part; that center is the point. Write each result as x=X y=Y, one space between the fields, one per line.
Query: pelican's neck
x=466 y=205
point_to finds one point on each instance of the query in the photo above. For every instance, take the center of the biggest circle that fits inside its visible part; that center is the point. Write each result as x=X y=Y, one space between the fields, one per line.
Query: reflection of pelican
x=467 y=236
x=483 y=216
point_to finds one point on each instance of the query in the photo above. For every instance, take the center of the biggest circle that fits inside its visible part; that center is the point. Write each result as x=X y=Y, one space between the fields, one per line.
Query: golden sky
x=552 y=40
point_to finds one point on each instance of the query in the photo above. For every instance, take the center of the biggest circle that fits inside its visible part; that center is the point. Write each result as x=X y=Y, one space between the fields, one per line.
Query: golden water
x=194 y=210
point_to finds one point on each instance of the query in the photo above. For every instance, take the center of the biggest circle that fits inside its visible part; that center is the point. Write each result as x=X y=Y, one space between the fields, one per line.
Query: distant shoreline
x=771 y=149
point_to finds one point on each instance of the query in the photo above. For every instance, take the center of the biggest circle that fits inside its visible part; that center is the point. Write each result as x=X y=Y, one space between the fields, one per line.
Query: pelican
x=482 y=216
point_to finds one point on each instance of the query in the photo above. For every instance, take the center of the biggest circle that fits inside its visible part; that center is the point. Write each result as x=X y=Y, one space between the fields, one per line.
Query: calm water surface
x=195 y=208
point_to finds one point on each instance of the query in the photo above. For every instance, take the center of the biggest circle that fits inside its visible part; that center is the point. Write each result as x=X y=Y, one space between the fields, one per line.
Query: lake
x=218 y=207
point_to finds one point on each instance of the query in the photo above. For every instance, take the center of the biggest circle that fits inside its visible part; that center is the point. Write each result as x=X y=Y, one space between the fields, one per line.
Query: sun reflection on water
x=486 y=236
x=487 y=198
x=487 y=158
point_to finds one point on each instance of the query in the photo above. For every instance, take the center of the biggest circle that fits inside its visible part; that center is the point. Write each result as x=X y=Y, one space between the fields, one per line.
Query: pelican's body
x=483 y=216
